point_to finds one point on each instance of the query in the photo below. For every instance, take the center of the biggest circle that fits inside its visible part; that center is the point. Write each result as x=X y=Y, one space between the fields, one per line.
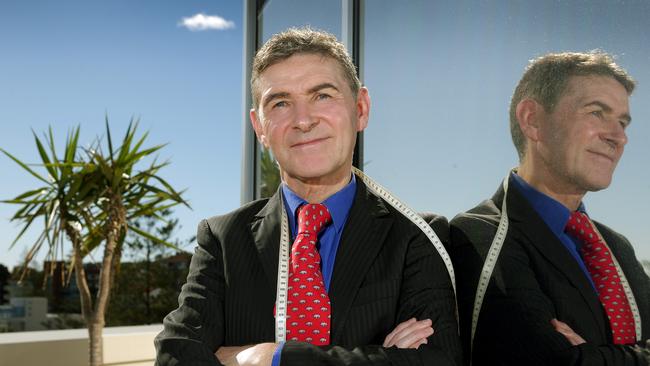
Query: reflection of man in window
x=565 y=290
x=361 y=283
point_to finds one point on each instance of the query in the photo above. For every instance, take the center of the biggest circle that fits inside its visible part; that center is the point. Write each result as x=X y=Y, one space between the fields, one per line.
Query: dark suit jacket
x=534 y=281
x=386 y=271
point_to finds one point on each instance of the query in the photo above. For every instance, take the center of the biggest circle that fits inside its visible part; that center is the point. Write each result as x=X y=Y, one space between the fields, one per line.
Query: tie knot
x=312 y=218
x=580 y=227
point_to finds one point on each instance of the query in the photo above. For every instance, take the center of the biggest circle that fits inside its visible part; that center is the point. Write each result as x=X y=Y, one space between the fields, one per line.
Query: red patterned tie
x=600 y=264
x=308 y=315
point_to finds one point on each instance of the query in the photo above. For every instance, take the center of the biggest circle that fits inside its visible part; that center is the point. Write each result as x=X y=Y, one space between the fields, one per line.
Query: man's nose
x=615 y=134
x=304 y=119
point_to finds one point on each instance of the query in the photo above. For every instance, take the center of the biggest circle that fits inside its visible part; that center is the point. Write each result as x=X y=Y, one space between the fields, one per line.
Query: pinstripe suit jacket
x=534 y=281
x=386 y=271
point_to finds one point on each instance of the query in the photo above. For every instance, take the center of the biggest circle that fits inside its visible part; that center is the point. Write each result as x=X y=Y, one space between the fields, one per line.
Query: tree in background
x=5 y=275
x=270 y=174
x=147 y=287
x=91 y=201
x=145 y=293
x=31 y=284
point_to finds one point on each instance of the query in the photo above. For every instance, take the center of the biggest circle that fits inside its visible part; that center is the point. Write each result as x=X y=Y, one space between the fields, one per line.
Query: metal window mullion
x=250 y=169
x=352 y=37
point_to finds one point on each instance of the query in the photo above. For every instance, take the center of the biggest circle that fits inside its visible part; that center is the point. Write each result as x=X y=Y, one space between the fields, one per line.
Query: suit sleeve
x=194 y=331
x=514 y=323
x=426 y=292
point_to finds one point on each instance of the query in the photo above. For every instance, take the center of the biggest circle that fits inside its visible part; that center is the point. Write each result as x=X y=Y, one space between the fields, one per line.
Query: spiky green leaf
x=152 y=237
x=24 y=166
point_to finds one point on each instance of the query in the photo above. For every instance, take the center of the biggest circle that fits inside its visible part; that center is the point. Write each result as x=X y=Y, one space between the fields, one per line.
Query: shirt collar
x=555 y=214
x=338 y=204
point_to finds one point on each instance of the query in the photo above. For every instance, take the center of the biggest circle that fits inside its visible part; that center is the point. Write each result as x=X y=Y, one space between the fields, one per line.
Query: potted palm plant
x=88 y=201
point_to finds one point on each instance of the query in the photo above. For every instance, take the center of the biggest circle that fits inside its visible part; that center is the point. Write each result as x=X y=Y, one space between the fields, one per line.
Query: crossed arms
x=214 y=320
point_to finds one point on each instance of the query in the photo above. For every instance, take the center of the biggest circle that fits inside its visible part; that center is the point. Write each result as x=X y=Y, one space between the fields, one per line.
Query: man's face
x=582 y=140
x=309 y=118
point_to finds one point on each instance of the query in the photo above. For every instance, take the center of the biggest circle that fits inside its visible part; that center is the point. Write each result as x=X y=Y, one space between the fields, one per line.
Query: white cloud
x=201 y=22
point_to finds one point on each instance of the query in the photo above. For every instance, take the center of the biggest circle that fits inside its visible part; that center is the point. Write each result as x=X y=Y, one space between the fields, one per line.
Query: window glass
x=277 y=16
x=441 y=74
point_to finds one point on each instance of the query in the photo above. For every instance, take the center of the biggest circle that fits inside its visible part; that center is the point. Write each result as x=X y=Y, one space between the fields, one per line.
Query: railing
x=123 y=346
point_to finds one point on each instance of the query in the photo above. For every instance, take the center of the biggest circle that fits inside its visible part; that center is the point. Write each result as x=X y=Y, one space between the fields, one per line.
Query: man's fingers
x=418 y=343
x=227 y=355
x=558 y=325
x=250 y=355
x=405 y=328
x=409 y=333
x=398 y=328
x=414 y=337
x=561 y=327
x=568 y=333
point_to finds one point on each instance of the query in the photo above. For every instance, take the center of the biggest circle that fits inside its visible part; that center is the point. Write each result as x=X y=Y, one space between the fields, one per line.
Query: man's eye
x=624 y=123
x=322 y=96
x=280 y=104
x=598 y=113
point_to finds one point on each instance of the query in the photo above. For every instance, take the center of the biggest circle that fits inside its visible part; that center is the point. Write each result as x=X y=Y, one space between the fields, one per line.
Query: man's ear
x=363 y=108
x=529 y=115
x=257 y=126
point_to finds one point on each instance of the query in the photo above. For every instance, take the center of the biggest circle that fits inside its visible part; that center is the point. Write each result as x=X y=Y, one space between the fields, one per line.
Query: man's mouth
x=310 y=142
x=603 y=155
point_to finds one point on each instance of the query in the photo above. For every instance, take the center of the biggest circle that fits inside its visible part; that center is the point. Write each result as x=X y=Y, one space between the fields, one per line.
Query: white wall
x=123 y=346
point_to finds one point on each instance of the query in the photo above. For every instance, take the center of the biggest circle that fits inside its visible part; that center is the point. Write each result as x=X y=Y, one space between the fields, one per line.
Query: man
x=557 y=288
x=361 y=284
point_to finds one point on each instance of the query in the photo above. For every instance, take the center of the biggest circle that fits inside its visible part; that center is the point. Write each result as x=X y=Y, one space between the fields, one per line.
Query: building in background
x=144 y=293
x=23 y=314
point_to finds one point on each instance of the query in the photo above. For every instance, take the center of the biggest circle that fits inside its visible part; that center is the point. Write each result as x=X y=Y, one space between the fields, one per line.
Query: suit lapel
x=265 y=229
x=363 y=236
x=531 y=228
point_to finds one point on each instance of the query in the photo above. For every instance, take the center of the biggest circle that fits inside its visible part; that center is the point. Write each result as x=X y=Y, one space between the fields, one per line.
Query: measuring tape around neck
x=283 y=278
x=489 y=264
x=283 y=260
x=493 y=255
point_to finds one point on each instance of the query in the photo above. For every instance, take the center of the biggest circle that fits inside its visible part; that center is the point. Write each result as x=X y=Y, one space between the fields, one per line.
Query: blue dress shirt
x=556 y=216
x=339 y=205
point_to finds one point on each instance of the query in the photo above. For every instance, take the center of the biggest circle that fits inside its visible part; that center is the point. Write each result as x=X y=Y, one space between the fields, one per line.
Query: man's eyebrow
x=269 y=98
x=322 y=86
x=608 y=109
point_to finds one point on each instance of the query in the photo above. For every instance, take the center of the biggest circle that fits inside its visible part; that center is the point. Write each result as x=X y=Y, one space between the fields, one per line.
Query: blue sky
x=440 y=76
x=69 y=63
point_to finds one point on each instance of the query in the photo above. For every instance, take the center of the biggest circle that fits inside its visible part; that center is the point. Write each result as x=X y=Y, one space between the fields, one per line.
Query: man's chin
x=304 y=174
x=598 y=184
x=314 y=174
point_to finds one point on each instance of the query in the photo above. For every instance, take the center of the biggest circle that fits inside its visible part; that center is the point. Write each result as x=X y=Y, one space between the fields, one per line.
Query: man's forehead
x=303 y=57
x=303 y=72
x=595 y=87
x=586 y=83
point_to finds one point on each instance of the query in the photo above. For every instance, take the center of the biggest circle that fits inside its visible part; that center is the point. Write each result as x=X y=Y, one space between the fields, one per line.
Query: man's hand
x=573 y=337
x=409 y=334
x=253 y=355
